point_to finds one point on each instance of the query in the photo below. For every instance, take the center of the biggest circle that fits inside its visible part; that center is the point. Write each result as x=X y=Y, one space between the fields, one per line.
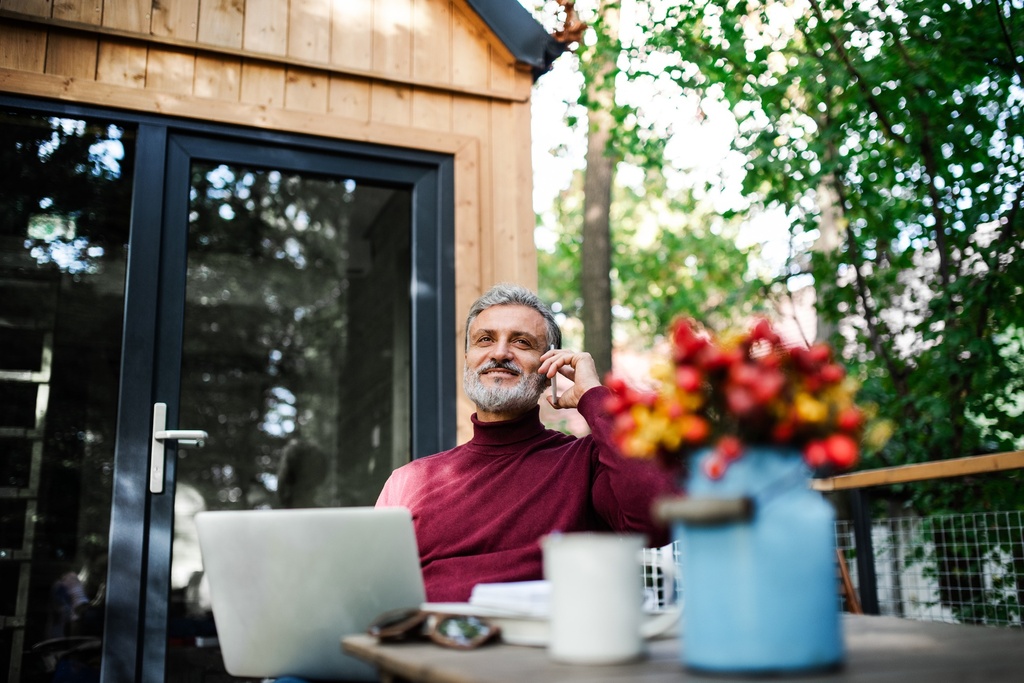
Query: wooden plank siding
x=82 y=11
x=419 y=74
x=177 y=19
x=265 y=30
x=309 y=30
x=352 y=36
x=218 y=78
x=133 y=16
x=39 y=8
x=171 y=71
x=21 y=48
x=71 y=55
x=220 y=23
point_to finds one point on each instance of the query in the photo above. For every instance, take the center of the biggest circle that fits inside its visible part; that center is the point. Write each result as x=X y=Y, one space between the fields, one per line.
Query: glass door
x=295 y=356
x=292 y=349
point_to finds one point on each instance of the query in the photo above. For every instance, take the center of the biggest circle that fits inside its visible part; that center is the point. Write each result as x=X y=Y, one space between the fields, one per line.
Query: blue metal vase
x=759 y=587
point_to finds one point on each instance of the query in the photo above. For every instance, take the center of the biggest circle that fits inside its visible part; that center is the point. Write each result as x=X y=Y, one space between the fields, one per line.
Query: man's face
x=505 y=346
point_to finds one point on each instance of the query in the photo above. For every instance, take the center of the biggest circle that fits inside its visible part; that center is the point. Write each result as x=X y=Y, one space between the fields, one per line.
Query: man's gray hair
x=507 y=294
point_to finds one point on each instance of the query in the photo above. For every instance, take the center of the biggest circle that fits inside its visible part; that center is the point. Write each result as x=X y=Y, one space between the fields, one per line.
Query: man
x=481 y=508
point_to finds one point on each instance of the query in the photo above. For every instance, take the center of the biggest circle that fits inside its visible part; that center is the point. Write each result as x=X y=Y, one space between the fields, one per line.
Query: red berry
x=688 y=378
x=714 y=467
x=841 y=450
x=850 y=419
x=767 y=386
x=783 y=431
x=745 y=374
x=812 y=384
x=740 y=400
x=616 y=404
x=712 y=358
x=686 y=340
x=819 y=353
x=615 y=384
x=696 y=430
x=815 y=454
x=682 y=332
x=729 y=448
x=763 y=331
x=832 y=373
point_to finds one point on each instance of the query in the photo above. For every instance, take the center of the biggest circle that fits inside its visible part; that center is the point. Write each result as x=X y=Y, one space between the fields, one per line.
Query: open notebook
x=520 y=609
x=287 y=585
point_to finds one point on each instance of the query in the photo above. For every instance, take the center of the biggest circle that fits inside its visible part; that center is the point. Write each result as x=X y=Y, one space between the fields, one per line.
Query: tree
x=599 y=66
x=909 y=113
x=639 y=249
x=671 y=256
x=899 y=123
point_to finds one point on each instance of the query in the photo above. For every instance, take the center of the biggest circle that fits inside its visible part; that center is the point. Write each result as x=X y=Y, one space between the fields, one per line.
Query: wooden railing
x=924 y=471
x=857 y=483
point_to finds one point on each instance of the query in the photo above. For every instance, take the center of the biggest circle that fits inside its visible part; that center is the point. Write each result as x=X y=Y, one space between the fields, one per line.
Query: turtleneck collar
x=507 y=432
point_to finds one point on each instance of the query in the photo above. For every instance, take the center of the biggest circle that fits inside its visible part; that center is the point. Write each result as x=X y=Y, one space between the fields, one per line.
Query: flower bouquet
x=742 y=390
x=752 y=417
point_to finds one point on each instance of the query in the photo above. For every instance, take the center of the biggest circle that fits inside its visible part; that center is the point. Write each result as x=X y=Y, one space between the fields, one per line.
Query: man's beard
x=509 y=396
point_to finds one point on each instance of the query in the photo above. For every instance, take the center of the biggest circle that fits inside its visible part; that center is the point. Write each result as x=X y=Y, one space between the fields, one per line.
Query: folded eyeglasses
x=460 y=631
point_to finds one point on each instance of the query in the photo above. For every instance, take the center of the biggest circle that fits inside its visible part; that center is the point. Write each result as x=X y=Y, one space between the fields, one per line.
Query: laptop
x=287 y=585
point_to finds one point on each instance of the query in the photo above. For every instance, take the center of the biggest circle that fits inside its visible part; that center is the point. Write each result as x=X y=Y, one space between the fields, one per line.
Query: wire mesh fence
x=957 y=568
x=661 y=576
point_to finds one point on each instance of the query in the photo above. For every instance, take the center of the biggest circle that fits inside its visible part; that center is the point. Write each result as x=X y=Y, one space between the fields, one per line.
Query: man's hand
x=579 y=367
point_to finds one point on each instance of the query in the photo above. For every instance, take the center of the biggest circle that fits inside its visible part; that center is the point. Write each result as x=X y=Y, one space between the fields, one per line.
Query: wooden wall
x=421 y=74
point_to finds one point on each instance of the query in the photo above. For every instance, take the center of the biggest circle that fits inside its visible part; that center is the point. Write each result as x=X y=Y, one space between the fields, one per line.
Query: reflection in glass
x=64 y=212
x=296 y=348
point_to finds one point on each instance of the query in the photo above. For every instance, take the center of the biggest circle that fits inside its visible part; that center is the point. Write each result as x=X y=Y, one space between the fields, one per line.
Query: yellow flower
x=662 y=371
x=691 y=403
x=672 y=439
x=809 y=409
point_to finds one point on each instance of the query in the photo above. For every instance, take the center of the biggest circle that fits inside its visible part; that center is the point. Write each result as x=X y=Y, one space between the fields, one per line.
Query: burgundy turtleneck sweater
x=481 y=508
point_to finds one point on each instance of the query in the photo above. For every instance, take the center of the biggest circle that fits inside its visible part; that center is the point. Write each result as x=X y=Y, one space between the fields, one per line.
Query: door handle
x=184 y=437
x=160 y=434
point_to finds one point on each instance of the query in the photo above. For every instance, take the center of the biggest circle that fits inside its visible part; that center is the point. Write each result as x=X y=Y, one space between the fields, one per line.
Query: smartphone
x=554 y=384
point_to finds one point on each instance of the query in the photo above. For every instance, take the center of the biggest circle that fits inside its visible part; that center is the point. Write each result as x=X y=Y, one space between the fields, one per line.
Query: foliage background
x=887 y=136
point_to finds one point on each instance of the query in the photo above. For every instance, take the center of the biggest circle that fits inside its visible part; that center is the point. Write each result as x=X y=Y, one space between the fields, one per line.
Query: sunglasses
x=460 y=631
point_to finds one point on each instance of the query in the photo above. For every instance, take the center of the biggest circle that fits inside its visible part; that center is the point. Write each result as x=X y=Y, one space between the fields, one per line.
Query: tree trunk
x=597 y=187
x=828 y=242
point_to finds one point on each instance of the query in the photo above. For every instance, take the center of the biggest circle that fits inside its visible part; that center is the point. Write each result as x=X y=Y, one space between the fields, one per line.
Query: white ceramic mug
x=596 y=597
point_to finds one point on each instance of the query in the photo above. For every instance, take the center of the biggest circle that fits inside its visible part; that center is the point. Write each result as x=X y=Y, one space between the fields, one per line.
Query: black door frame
x=135 y=632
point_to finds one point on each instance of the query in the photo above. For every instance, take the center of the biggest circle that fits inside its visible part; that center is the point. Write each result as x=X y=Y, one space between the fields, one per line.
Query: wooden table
x=877 y=649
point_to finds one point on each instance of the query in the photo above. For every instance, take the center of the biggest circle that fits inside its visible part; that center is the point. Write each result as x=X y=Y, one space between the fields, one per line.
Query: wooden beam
x=484 y=92
x=241 y=114
x=941 y=469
